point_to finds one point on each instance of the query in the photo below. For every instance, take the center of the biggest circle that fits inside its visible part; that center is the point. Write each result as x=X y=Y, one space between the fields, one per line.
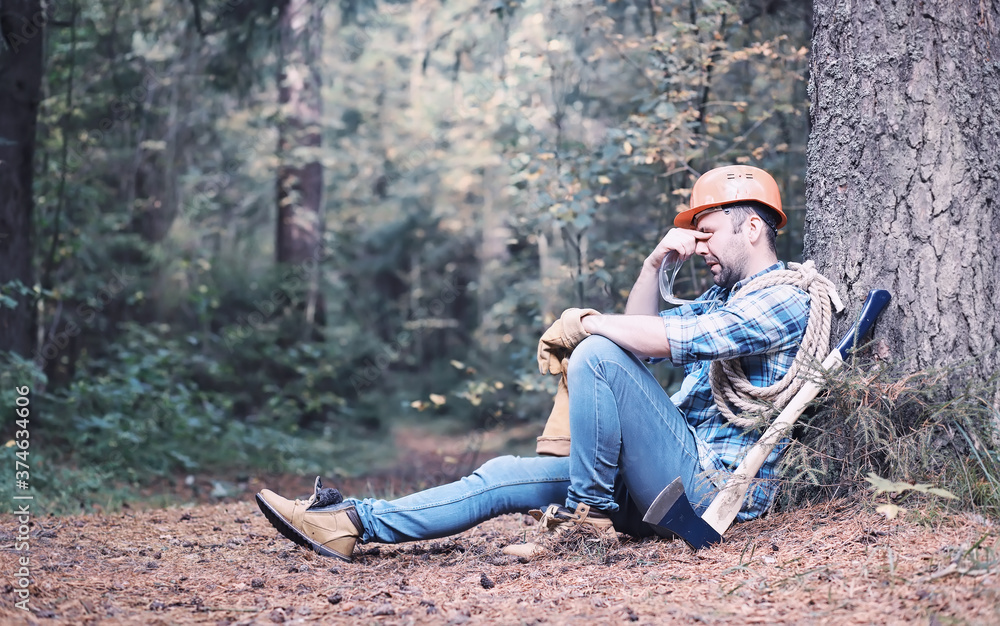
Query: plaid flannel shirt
x=764 y=329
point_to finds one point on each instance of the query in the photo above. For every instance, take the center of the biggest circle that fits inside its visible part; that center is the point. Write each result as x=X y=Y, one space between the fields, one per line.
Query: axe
x=671 y=514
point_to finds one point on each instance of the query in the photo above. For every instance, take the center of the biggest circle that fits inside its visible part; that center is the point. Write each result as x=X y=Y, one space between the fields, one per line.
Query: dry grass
x=833 y=563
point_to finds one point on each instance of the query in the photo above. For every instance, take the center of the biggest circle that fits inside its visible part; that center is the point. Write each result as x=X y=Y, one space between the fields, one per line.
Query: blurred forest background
x=266 y=232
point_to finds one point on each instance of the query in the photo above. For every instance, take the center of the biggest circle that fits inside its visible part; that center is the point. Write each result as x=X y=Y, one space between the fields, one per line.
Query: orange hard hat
x=728 y=185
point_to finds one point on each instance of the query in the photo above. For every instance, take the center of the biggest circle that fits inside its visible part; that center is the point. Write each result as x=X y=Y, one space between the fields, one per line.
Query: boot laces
x=560 y=520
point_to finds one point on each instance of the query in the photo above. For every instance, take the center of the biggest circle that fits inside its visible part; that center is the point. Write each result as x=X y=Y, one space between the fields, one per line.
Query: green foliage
x=157 y=400
x=15 y=288
x=158 y=404
x=60 y=489
x=873 y=423
x=483 y=170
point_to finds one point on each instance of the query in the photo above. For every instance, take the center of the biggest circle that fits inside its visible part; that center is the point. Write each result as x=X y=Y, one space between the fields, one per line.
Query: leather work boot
x=559 y=519
x=331 y=532
x=562 y=529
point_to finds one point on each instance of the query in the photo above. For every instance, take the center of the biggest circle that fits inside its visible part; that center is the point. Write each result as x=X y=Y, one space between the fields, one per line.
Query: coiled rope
x=729 y=383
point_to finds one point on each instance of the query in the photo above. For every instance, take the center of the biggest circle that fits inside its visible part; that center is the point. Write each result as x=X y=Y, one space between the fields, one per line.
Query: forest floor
x=837 y=562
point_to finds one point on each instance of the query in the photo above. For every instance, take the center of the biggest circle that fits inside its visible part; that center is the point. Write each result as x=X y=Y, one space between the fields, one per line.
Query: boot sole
x=292 y=534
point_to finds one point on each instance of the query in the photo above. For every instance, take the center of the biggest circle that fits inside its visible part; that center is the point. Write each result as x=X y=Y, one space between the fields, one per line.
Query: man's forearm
x=644 y=299
x=642 y=335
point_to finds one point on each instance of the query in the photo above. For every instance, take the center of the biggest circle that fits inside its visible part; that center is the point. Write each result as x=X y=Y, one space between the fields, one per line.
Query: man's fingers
x=686 y=234
x=683 y=242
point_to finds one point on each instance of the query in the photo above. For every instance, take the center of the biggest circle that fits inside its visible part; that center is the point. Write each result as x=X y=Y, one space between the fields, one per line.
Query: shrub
x=872 y=421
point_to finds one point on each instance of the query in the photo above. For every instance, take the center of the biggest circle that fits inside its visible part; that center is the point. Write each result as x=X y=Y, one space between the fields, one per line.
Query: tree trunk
x=300 y=174
x=299 y=233
x=904 y=162
x=21 y=37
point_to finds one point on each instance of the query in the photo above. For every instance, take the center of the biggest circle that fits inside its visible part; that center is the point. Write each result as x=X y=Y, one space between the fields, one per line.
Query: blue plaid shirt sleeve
x=764 y=322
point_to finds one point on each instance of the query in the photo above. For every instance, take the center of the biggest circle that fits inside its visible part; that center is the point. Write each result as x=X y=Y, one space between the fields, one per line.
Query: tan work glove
x=549 y=357
x=560 y=339
x=554 y=349
x=555 y=437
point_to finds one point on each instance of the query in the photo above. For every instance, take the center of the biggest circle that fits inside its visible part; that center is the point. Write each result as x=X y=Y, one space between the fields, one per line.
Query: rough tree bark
x=21 y=37
x=300 y=173
x=904 y=163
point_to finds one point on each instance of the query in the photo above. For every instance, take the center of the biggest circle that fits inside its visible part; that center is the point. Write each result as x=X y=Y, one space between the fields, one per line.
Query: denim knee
x=511 y=470
x=592 y=349
x=495 y=465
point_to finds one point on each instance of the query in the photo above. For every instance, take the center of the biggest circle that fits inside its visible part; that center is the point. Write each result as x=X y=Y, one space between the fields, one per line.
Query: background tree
x=299 y=230
x=22 y=26
x=904 y=174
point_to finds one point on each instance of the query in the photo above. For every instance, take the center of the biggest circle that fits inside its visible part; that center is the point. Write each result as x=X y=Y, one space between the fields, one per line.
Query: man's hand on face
x=681 y=241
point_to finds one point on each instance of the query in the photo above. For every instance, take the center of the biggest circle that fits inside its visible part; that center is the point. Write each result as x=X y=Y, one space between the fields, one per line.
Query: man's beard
x=727 y=278
x=730 y=273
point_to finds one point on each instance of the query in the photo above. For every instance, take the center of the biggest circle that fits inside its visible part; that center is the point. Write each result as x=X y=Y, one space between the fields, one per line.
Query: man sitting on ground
x=629 y=438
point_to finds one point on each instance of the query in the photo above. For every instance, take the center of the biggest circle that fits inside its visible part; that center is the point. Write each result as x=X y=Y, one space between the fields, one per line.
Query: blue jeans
x=628 y=442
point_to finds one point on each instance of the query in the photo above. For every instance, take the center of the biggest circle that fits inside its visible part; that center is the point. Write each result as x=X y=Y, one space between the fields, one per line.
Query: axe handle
x=726 y=505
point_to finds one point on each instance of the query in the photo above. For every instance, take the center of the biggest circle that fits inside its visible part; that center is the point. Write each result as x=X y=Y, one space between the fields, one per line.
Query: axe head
x=671 y=515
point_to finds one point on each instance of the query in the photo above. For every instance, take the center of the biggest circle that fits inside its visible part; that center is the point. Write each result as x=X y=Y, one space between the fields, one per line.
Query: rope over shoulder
x=730 y=386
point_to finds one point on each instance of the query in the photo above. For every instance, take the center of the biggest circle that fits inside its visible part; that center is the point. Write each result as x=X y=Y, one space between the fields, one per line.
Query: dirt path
x=835 y=563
